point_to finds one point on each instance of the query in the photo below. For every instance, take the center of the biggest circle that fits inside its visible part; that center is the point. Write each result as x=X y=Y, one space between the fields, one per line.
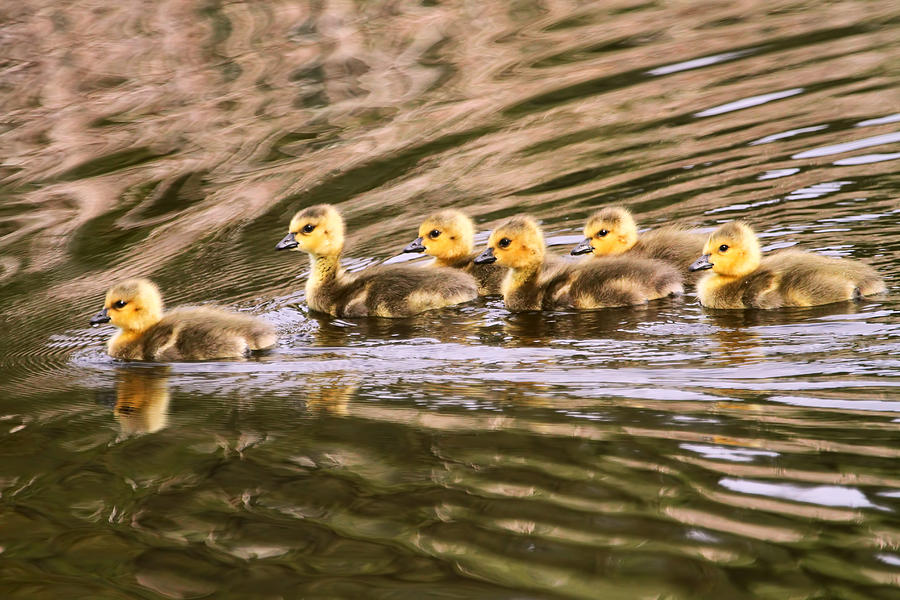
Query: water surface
x=660 y=451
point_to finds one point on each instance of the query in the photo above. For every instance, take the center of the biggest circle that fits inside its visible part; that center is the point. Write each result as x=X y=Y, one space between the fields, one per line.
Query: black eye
x=504 y=243
x=308 y=228
x=723 y=247
x=602 y=233
x=434 y=233
x=119 y=304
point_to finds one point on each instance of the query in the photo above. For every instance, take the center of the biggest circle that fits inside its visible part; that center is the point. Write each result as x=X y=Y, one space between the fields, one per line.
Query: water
x=663 y=451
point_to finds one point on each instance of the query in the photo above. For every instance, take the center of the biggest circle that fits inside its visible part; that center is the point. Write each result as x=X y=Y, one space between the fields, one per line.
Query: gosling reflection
x=737 y=346
x=142 y=399
x=542 y=328
x=741 y=336
x=330 y=393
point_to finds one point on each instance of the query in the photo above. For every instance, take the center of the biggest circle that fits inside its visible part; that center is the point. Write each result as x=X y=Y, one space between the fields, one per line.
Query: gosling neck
x=520 y=276
x=325 y=269
x=125 y=343
x=520 y=288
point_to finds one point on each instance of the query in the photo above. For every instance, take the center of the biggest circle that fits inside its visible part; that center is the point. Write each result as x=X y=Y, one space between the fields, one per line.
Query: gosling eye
x=434 y=233
x=119 y=304
x=602 y=233
x=308 y=228
x=723 y=247
x=504 y=243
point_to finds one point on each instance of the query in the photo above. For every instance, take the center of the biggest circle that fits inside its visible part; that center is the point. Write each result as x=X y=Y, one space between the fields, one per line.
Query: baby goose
x=383 y=291
x=448 y=236
x=532 y=284
x=740 y=278
x=191 y=333
x=612 y=231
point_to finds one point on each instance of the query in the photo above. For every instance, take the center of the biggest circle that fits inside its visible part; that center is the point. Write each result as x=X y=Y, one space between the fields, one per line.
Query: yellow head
x=318 y=230
x=518 y=243
x=447 y=235
x=132 y=305
x=732 y=250
x=608 y=232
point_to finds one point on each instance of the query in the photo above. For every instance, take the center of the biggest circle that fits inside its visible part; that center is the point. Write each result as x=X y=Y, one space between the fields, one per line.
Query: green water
x=664 y=451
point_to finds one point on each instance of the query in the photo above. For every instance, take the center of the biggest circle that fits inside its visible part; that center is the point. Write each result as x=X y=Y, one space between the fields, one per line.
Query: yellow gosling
x=611 y=231
x=383 y=291
x=741 y=278
x=533 y=284
x=448 y=236
x=145 y=332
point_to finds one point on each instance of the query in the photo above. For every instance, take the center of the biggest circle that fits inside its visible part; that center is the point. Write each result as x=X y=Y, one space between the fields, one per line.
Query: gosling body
x=612 y=231
x=383 y=291
x=739 y=277
x=448 y=236
x=532 y=283
x=190 y=333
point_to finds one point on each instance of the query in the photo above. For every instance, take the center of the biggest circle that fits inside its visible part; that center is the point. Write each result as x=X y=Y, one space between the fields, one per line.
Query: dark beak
x=485 y=257
x=288 y=243
x=583 y=248
x=701 y=264
x=415 y=246
x=100 y=317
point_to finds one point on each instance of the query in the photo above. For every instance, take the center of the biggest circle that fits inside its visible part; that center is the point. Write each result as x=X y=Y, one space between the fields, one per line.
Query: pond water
x=662 y=451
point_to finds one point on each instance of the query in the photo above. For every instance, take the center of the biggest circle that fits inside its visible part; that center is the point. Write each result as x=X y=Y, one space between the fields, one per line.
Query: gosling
x=448 y=236
x=146 y=333
x=612 y=231
x=740 y=278
x=532 y=284
x=383 y=291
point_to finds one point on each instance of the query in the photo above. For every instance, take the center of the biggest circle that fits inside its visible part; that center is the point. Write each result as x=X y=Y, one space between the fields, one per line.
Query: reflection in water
x=660 y=451
x=142 y=398
x=738 y=346
x=329 y=392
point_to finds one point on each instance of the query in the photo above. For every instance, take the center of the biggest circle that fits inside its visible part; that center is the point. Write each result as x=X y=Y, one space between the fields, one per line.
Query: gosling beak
x=485 y=257
x=415 y=246
x=701 y=264
x=583 y=248
x=288 y=243
x=100 y=317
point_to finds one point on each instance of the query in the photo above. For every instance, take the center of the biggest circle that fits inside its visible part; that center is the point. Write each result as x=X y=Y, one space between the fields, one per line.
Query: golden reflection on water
x=142 y=399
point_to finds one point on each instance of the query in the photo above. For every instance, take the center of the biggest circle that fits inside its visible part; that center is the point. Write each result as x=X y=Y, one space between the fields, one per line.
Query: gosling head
x=132 y=305
x=608 y=232
x=732 y=250
x=518 y=243
x=318 y=230
x=447 y=235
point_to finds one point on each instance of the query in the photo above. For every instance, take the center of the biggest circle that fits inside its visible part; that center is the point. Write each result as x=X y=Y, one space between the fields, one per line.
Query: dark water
x=664 y=451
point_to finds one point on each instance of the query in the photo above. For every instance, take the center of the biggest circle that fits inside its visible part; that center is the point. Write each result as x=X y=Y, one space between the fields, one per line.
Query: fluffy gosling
x=448 y=236
x=741 y=278
x=611 y=231
x=147 y=333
